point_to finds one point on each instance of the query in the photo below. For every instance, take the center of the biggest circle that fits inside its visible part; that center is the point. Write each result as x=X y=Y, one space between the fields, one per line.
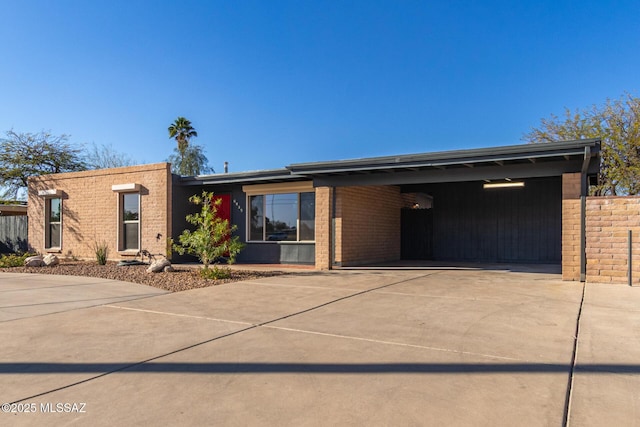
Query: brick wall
x=323 y=228
x=571 y=226
x=367 y=224
x=90 y=209
x=608 y=221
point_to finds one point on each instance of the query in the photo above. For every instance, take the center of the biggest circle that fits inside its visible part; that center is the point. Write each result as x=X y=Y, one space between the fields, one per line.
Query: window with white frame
x=53 y=223
x=130 y=221
x=277 y=217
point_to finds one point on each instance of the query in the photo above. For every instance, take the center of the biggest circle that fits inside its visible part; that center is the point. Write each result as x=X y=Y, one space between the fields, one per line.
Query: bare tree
x=29 y=154
x=105 y=156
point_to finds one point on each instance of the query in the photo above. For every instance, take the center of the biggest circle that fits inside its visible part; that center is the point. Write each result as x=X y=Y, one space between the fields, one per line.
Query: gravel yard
x=183 y=278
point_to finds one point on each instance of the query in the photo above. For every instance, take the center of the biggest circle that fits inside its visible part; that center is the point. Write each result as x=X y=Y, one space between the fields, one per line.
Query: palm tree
x=181 y=130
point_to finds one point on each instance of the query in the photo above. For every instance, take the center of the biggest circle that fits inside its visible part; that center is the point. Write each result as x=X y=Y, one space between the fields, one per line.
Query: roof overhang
x=252 y=177
x=514 y=161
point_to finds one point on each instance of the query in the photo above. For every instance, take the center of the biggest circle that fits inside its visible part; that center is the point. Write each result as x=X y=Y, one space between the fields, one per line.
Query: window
x=53 y=223
x=307 y=216
x=282 y=217
x=257 y=218
x=130 y=217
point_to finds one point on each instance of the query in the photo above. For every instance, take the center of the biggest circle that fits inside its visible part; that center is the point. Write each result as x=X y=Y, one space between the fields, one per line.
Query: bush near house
x=13 y=260
x=211 y=241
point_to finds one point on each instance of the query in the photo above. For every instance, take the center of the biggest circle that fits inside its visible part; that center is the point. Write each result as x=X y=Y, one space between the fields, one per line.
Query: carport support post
x=584 y=192
x=332 y=249
x=583 y=239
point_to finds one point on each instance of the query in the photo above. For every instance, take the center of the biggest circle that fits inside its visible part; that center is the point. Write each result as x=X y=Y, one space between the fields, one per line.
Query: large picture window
x=53 y=223
x=130 y=227
x=282 y=217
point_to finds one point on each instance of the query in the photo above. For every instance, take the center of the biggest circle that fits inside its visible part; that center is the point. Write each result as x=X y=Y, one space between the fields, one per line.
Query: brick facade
x=90 y=209
x=608 y=221
x=366 y=227
x=367 y=224
x=323 y=227
x=571 y=212
x=607 y=224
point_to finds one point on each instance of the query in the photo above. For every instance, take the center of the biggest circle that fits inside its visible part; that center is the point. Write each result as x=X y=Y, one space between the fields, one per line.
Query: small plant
x=211 y=241
x=13 y=260
x=102 y=252
x=215 y=273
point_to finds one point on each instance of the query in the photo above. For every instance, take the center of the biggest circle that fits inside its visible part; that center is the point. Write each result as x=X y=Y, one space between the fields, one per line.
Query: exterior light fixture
x=508 y=184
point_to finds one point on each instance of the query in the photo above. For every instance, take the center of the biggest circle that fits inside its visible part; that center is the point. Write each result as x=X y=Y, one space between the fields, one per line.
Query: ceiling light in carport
x=508 y=184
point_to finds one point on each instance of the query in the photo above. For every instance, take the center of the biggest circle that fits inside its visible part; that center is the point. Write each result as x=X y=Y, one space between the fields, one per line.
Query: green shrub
x=13 y=260
x=102 y=251
x=212 y=239
x=215 y=273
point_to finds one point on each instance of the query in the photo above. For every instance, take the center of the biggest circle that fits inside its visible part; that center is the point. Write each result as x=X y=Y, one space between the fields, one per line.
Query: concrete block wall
x=571 y=212
x=608 y=221
x=367 y=224
x=90 y=209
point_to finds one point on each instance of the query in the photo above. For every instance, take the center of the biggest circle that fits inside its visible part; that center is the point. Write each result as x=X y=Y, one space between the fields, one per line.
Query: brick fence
x=608 y=221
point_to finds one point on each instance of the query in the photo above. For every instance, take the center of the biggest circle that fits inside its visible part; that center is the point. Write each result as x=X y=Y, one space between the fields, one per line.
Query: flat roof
x=548 y=158
x=267 y=175
x=522 y=153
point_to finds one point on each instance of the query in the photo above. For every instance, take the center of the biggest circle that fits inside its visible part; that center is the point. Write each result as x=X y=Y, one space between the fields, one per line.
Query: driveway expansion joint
x=250 y=327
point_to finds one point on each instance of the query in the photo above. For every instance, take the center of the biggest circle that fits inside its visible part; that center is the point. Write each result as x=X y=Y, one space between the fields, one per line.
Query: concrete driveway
x=387 y=347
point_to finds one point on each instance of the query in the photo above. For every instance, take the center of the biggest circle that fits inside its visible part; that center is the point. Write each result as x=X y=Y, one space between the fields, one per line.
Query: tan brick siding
x=571 y=226
x=323 y=228
x=608 y=221
x=90 y=212
x=571 y=239
x=367 y=224
x=571 y=185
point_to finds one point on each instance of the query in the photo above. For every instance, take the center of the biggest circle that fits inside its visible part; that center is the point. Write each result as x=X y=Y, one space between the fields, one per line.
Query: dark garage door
x=497 y=225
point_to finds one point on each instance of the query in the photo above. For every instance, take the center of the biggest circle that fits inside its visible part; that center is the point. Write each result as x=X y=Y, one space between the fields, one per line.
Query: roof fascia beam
x=521 y=171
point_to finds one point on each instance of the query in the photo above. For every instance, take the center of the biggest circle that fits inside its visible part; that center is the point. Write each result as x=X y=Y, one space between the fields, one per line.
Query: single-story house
x=500 y=204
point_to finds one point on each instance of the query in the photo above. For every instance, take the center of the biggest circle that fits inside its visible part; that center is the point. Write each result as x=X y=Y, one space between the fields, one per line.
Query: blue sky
x=270 y=83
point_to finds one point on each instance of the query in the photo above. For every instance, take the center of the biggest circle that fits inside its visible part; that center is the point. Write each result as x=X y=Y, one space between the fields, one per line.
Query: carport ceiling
x=514 y=161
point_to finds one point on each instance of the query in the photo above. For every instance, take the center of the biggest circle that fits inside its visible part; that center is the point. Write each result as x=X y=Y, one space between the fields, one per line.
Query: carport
x=467 y=222
x=500 y=204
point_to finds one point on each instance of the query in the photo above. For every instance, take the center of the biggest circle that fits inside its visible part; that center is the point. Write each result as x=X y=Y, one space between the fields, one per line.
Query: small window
x=130 y=221
x=53 y=223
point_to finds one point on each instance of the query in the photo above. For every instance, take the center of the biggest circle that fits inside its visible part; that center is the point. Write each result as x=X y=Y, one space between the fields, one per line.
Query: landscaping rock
x=169 y=269
x=184 y=277
x=50 y=260
x=158 y=265
x=34 y=261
